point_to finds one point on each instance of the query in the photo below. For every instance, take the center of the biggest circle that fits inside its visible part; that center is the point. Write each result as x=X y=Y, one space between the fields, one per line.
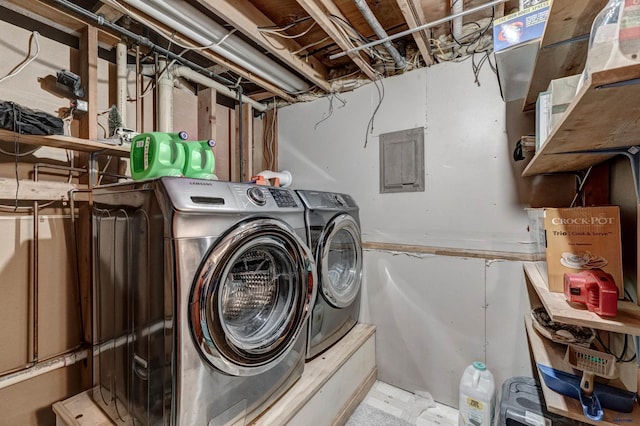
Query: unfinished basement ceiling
x=283 y=49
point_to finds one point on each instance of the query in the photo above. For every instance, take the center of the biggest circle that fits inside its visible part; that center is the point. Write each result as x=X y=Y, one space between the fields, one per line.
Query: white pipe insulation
x=457 y=7
x=186 y=19
x=42 y=368
x=121 y=82
x=164 y=83
x=195 y=77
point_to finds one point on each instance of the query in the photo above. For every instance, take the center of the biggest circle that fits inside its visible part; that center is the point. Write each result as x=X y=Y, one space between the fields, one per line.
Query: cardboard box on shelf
x=583 y=238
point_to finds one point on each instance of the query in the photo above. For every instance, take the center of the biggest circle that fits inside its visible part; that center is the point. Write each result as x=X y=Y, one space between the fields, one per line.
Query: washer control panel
x=283 y=198
x=256 y=196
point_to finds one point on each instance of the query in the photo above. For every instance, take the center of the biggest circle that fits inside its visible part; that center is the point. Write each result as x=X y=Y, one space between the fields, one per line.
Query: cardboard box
x=520 y=27
x=583 y=238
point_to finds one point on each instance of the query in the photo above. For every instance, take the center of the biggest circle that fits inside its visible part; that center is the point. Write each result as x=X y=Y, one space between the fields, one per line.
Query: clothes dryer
x=333 y=233
x=202 y=291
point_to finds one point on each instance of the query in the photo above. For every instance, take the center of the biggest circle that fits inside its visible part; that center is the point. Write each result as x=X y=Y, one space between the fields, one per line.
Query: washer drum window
x=252 y=296
x=340 y=258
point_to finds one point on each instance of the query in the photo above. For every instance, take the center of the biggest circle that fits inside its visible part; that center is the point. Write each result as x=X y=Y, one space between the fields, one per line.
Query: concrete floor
x=386 y=405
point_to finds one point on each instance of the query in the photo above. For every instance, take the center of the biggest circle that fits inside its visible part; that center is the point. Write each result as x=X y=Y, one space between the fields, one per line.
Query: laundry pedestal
x=330 y=389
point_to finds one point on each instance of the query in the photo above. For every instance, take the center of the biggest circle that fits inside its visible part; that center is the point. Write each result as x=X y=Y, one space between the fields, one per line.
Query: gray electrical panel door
x=402 y=161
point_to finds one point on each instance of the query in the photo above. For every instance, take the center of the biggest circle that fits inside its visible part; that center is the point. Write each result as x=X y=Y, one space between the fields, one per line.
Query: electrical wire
x=331 y=97
x=608 y=350
x=277 y=32
x=28 y=60
x=380 y=99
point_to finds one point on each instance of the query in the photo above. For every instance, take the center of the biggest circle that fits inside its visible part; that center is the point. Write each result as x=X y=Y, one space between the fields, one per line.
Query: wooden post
x=89 y=130
x=270 y=140
x=244 y=172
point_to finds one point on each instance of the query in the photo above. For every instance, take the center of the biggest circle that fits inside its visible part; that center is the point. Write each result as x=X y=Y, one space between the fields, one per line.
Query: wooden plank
x=552 y=354
x=247 y=143
x=443 y=251
x=567 y=20
x=66 y=142
x=317 y=373
x=89 y=77
x=80 y=410
x=40 y=191
x=627 y=321
x=414 y=16
x=270 y=140
x=247 y=18
x=598 y=118
x=207 y=116
x=319 y=11
x=351 y=405
x=47 y=13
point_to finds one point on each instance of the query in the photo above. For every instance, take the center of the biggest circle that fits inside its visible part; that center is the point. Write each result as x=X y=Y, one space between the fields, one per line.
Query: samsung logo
x=193 y=182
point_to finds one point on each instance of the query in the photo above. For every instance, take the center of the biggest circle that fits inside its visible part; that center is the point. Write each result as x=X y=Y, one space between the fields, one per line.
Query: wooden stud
x=414 y=16
x=319 y=10
x=247 y=143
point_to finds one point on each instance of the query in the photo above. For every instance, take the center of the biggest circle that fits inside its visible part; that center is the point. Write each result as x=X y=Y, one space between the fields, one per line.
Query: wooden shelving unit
x=66 y=142
x=627 y=321
x=600 y=117
x=563 y=48
x=552 y=354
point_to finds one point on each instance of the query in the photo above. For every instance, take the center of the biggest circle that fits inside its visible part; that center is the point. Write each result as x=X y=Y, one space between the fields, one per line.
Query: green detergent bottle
x=156 y=154
x=199 y=159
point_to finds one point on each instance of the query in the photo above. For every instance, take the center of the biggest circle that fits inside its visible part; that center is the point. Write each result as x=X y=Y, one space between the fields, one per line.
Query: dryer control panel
x=283 y=197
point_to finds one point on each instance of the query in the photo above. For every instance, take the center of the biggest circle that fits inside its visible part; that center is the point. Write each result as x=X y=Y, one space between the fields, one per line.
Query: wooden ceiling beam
x=319 y=11
x=247 y=18
x=413 y=14
x=109 y=13
x=69 y=23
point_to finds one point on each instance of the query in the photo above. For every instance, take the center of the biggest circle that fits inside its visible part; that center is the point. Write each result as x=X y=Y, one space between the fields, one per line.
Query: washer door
x=339 y=258
x=252 y=296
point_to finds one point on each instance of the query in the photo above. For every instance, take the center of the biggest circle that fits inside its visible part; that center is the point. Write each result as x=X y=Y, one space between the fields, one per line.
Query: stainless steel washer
x=201 y=295
x=333 y=232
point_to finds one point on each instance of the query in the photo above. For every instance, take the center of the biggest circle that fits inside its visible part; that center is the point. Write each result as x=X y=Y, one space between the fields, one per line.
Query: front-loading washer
x=202 y=291
x=333 y=233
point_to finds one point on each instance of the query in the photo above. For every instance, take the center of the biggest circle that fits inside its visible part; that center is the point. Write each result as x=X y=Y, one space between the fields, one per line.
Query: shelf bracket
x=631 y=152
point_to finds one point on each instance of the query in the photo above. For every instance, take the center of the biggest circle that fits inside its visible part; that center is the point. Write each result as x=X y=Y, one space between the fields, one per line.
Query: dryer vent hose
x=283 y=176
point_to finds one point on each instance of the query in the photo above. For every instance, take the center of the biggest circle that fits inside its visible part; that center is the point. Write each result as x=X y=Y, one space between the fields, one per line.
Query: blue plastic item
x=603 y=395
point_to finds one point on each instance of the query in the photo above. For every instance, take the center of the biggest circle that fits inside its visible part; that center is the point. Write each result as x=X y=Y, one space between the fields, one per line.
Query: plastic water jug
x=199 y=160
x=477 y=396
x=157 y=154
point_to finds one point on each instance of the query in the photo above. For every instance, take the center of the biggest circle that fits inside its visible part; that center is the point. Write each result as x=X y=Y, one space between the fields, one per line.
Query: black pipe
x=142 y=41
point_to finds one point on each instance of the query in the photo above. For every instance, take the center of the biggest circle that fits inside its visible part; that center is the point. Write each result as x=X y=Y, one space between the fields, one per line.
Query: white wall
x=469 y=199
x=435 y=314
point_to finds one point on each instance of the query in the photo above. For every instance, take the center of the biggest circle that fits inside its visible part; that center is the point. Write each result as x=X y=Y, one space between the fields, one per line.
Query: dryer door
x=339 y=257
x=251 y=297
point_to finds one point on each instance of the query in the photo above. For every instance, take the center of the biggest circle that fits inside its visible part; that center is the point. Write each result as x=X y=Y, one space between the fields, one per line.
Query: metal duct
x=181 y=16
x=380 y=32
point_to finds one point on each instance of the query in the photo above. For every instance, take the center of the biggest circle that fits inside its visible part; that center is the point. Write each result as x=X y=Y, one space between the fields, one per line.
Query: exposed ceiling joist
x=319 y=10
x=110 y=14
x=48 y=14
x=413 y=14
x=247 y=18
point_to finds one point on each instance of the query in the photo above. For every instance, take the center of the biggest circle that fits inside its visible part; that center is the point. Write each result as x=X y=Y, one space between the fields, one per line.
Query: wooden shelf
x=600 y=117
x=563 y=48
x=41 y=190
x=627 y=321
x=66 y=142
x=552 y=354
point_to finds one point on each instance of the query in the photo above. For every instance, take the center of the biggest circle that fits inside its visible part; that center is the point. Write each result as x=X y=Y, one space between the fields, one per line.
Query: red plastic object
x=594 y=288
